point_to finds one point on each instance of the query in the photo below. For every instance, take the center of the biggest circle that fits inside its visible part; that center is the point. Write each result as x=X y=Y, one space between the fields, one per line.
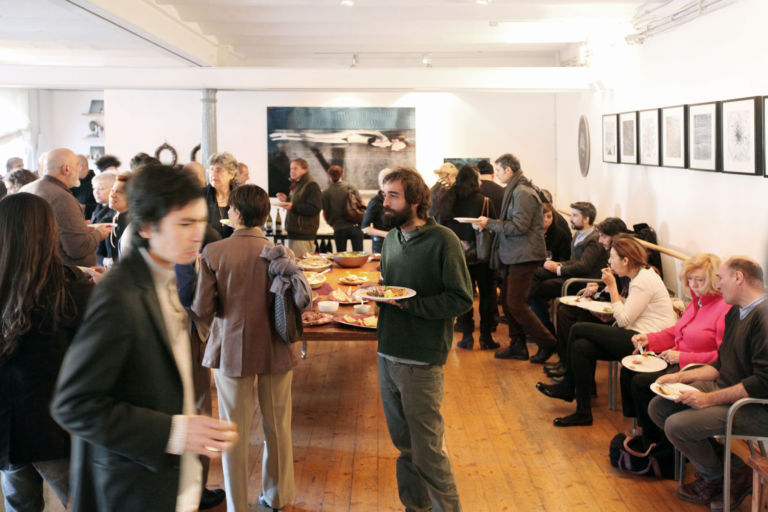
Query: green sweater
x=432 y=263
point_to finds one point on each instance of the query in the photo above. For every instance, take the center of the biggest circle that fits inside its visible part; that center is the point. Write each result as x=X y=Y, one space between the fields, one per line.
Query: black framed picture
x=628 y=138
x=610 y=138
x=740 y=136
x=648 y=133
x=703 y=134
x=674 y=135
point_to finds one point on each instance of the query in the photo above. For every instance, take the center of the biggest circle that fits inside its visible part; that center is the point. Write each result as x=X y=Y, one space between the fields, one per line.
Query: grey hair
x=106 y=176
x=227 y=160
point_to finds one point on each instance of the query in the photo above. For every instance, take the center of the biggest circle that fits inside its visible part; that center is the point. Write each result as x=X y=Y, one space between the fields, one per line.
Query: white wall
x=62 y=123
x=717 y=57
x=448 y=125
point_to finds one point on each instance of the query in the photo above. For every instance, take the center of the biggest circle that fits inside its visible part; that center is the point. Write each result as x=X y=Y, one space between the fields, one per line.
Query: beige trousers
x=301 y=247
x=236 y=404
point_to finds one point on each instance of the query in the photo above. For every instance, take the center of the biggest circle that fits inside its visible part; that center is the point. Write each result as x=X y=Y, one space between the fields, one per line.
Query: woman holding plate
x=647 y=308
x=695 y=338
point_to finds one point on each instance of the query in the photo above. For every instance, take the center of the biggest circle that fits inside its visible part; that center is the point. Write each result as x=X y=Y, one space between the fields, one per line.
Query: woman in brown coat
x=233 y=293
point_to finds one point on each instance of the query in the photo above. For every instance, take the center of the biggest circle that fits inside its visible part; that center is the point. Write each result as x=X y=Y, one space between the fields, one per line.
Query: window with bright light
x=14 y=126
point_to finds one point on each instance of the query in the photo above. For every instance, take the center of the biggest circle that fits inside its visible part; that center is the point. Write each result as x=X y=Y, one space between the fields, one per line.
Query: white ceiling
x=306 y=33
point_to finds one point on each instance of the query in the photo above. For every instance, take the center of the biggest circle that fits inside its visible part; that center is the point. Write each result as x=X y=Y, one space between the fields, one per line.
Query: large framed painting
x=610 y=138
x=628 y=138
x=648 y=123
x=703 y=132
x=362 y=140
x=674 y=135
x=740 y=136
x=461 y=162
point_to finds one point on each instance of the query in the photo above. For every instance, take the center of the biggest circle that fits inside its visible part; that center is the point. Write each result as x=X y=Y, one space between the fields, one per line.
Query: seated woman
x=42 y=301
x=233 y=293
x=647 y=308
x=465 y=200
x=558 y=240
x=695 y=338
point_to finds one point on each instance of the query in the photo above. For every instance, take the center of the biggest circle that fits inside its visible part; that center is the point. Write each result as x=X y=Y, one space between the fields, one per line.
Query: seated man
x=588 y=257
x=740 y=371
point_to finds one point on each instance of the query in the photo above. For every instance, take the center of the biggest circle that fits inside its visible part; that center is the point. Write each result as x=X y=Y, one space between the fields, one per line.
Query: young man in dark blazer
x=125 y=391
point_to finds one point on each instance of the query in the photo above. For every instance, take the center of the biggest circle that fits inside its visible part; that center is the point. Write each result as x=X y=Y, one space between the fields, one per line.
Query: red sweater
x=698 y=334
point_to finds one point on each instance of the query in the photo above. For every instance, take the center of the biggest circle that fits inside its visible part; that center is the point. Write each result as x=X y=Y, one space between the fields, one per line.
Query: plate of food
x=310 y=318
x=364 y=321
x=344 y=295
x=645 y=363
x=466 y=220
x=670 y=390
x=594 y=306
x=383 y=293
x=351 y=278
x=276 y=202
x=314 y=263
x=375 y=256
x=226 y=222
x=315 y=279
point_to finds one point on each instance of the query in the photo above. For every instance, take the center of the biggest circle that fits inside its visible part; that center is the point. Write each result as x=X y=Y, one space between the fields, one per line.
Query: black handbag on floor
x=637 y=456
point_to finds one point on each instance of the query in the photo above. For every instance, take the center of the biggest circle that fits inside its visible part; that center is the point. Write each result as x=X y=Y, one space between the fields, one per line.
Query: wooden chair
x=759 y=483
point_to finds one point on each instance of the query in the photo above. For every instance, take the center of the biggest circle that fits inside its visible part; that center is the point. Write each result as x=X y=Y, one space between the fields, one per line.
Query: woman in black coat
x=42 y=301
x=557 y=238
x=464 y=199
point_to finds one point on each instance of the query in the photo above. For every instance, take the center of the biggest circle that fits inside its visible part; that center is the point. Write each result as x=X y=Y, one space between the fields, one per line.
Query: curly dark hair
x=107 y=161
x=416 y=191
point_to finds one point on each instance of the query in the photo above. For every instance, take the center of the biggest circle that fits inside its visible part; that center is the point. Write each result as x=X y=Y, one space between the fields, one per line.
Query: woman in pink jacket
x=695 y=338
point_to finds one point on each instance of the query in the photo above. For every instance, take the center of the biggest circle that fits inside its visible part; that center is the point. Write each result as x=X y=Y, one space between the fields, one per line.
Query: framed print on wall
x=648 y=124
x=628 y=138
x=673 y=136
x=610 y=138
x=703 y=130
x=740 y=136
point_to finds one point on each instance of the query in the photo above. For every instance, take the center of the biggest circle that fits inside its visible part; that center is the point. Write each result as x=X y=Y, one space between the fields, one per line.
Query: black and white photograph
x=628 y=138
x=702 y=136
x=649 y=137
x=673 y=136
x=740 y=138
x=362 y=140
x=461 y=162
x=610 y=138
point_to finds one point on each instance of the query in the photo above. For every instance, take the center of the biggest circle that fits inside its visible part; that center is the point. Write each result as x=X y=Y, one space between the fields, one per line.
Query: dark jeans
x=354 y=234
x=589 y=343
x=482 y=275
x=566 y=317
x=23 y=484
x=522 y=322
x=636 y=394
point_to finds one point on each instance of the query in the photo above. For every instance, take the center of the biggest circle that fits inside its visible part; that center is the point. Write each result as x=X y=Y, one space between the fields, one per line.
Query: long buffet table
x=334 y=331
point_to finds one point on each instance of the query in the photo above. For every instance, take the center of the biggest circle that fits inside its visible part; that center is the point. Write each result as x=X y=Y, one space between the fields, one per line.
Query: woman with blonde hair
x=222 y=174
x=695 y=338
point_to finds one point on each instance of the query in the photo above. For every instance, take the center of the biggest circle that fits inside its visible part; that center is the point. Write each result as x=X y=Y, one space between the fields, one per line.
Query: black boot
x=467 y=342
x=487 y=343
x=517 y=349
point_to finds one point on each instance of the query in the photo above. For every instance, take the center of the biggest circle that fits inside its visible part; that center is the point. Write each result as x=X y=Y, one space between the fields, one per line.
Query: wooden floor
x=505 y=452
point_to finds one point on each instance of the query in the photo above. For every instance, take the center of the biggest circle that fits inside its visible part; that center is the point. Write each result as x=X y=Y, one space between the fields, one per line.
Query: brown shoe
x=741 y=487
x=700 y=491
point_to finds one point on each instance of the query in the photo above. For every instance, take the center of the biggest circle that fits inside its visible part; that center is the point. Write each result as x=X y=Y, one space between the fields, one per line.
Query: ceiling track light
x=427 y=61
x=483 y=2
x=348 y=3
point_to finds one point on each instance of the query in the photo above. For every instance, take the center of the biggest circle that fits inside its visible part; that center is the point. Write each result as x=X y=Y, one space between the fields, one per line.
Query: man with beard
x=588 y=257
x=415 y=336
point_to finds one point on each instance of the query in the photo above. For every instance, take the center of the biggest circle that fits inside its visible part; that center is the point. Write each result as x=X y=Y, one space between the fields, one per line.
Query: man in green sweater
x=740 y=371
x=415 y=336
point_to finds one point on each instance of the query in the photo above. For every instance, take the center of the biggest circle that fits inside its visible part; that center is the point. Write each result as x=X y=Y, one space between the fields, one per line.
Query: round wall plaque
x=584 y=145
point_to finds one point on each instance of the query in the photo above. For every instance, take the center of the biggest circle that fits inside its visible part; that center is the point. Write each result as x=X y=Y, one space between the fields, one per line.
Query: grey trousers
x=23 y=484
x=411 y=396
x=691 y=430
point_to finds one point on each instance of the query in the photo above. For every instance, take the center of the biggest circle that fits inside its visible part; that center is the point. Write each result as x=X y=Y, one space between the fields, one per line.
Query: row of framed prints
x=727 y=136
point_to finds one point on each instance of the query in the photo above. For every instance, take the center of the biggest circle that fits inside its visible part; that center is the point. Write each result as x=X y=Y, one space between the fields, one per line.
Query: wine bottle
x=278 y=222
x=268 y=225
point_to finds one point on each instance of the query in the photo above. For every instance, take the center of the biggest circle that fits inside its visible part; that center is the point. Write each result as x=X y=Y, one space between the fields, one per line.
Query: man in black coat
x=125 y=391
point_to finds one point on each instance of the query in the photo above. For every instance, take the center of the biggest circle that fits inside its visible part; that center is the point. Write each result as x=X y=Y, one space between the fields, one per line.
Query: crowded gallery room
x=383 y=255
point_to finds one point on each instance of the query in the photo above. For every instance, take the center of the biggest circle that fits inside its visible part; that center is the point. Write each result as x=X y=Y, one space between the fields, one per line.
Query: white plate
x=276 y=202
x=363 y=293
x=595 y=306
x=226 y=222
x=466 y=220
x=676 y=388
x=648 y=364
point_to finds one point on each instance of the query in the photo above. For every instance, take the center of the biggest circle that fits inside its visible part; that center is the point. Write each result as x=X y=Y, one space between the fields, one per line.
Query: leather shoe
x=515 y=350
x=264 y=503
x=466 y=343
x=575 y=419
x=741 y=487
x=558 y=391
x=542 y=355
x=211 y=498
x=487 y=343
x=556 y=371
x=700 y=491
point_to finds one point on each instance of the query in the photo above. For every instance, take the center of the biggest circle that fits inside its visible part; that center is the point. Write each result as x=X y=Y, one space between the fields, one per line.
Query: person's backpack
x=645 y=232
x=354 y=208
x=637 y=456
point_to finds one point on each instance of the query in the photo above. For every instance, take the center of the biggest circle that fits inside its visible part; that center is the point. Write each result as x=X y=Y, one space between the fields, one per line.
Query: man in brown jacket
x=233 y=293
x=77 y=243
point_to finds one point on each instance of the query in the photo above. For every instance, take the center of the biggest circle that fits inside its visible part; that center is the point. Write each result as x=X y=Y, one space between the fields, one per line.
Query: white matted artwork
x=628 y=138
x=648 y=121
x=702 y=136
x=673 y=124
x=740 y=138
x=610 y=138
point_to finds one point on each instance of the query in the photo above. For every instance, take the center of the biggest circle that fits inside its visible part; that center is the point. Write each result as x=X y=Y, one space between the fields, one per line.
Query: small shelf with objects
x=95 y=133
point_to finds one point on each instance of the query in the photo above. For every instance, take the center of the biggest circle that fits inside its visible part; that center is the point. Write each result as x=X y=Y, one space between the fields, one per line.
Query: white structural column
x=208 y=145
